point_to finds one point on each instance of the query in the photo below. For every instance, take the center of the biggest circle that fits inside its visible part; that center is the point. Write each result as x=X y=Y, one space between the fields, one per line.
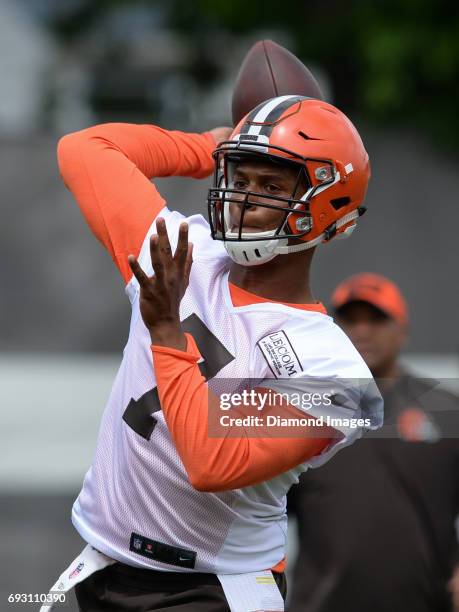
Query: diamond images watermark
x=285 y=409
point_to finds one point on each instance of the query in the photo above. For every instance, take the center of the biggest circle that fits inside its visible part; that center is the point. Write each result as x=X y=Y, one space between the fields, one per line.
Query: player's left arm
x=225 y=458
x=212 y=463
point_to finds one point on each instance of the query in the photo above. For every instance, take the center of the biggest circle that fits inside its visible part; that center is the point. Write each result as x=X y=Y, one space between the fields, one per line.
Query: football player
x=176 y=517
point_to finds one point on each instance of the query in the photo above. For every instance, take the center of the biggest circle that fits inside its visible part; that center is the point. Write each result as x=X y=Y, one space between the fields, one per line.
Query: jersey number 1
x=139 y=413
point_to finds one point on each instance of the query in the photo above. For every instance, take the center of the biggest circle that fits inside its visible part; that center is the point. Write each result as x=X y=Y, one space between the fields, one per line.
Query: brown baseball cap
x=374 y=289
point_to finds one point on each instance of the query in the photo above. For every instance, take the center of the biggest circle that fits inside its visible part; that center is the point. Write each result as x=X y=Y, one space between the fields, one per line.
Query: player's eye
x=273 y=188
x=239 y=184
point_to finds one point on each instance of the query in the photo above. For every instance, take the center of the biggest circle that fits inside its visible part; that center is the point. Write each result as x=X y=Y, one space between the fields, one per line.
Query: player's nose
x=242 y=212
x=247 y=204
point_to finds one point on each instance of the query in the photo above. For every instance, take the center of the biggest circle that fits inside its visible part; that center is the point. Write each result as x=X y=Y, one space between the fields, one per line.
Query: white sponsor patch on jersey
x=280 y=354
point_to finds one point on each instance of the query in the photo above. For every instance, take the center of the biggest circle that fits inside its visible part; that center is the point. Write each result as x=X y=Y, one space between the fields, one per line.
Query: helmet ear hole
x=338 y=203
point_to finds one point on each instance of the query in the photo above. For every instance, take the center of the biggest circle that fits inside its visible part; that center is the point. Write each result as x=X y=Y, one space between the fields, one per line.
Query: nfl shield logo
x=76 y=571
x=137 y=543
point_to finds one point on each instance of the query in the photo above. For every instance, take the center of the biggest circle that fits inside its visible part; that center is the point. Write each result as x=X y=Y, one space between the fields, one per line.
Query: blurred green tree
x=391 y=61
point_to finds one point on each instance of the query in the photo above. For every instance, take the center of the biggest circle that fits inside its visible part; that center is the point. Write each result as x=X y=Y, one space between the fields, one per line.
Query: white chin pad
x=244 y=256
x=253 y=253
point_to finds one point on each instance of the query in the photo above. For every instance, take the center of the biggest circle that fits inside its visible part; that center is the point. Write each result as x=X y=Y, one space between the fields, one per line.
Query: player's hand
x=161 y=294
x=221 y=133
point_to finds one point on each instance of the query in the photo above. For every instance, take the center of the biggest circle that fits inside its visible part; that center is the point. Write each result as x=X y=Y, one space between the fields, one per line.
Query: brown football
x=269 y=70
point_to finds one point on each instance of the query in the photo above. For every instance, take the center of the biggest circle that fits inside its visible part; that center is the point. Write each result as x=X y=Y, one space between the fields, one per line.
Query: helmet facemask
x=228 y=206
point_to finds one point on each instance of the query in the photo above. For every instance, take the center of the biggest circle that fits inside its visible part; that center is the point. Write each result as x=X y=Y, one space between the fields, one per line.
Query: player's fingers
x=188 y=264
x=181 y=251
x=156 y=259
x=138 y=272
x=165 y=250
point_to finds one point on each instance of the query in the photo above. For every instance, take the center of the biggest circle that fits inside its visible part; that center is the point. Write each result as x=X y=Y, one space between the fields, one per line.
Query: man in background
x=377 y=524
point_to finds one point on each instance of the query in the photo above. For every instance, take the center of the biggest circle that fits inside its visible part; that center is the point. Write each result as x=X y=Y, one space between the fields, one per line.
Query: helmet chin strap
x=261 y=251
x=295 y=248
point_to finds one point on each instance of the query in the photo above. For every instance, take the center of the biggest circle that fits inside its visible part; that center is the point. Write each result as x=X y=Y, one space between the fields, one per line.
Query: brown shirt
x=376 y=523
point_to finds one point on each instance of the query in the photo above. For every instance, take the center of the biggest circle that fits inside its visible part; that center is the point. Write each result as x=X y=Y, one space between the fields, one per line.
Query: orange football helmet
x=323 y=145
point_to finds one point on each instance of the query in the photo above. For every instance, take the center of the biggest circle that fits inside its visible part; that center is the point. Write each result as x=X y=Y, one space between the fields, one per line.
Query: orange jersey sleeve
x=108 y=169
x=219 y=463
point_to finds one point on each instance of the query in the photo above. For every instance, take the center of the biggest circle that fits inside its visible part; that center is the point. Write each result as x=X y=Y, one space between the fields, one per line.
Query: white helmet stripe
x=264 y=111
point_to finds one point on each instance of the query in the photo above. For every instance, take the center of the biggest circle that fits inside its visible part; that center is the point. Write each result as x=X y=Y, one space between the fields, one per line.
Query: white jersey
x=137 y=492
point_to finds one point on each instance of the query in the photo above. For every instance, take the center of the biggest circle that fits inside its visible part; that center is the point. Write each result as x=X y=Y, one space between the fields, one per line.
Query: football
x=269 y=70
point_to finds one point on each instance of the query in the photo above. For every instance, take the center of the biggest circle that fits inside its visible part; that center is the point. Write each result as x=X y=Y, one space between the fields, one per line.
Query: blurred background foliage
x=391 y=65
x=394 y=60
